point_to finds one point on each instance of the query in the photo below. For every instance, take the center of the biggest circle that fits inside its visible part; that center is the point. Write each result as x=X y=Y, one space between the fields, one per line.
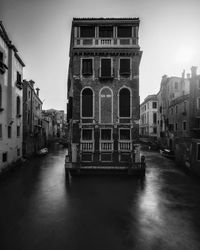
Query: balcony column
x=115 y=145
x=96 y=144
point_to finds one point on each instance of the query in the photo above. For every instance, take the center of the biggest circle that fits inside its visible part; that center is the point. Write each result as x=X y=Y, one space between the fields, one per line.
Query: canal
x=42 y=209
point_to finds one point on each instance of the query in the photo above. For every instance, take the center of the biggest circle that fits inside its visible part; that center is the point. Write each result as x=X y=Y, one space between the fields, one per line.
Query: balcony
x=124 y=146
x=106 y=42
x=106 y=146
x=87 y=146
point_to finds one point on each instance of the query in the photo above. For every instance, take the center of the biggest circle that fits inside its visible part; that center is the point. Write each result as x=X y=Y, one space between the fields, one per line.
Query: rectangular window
x=18 y=131
x=172 y=111
x=125 y=134
x=87 y=135
x=106 y=67
x=18 y=152
x=184 y=125
x=1 y=131
x=185 y=107
x=155 y=130
x=87 y=68
x=9 y=131
x=176 y=126
x=4 y=157
x=1 y=56
x=87 y=31
x=198 y=151
x=19 y=77
x=106 y=134
x=176 y=85
x=124 y=31
x=154 y=105
x=125 y=66
x=154 y=118
x=105 y=31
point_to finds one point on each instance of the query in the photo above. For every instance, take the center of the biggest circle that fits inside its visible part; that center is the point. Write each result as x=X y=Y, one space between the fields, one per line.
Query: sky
x=169 y=37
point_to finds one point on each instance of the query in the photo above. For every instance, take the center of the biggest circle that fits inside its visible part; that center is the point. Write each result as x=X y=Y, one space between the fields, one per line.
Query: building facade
x=148 y=117
x=11 y=75
x=103 y=90
x=33 y=136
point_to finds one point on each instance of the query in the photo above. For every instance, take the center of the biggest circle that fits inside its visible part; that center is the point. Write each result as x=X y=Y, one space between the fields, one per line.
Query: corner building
x=103 y=91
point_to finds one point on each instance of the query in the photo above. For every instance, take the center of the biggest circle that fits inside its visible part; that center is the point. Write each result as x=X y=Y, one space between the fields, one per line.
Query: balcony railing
x=87 y=146
x=106 y=146
x=105 y=42
x=124 y=146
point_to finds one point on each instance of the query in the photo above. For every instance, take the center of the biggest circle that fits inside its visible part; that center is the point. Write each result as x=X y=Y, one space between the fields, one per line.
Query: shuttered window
x=106 y=67
x=87 y=67
x=124 y=31
x=87 y=31
x=125 y=66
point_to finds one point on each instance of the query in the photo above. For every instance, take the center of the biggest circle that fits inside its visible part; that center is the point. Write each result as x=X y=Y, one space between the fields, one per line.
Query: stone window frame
x=81 y=67
x=112 y=65
x=118 y=107
x=93 y=103
x=92 y=129
x=184 y=122
x=105 y=87
x=128 y=76
x=120 y=133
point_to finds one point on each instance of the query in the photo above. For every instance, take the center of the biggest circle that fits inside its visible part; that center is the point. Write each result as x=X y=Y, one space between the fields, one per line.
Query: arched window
x=106 y=105
x=87 y=103
x=0 y=96
x=18 y=105
x=124 y=102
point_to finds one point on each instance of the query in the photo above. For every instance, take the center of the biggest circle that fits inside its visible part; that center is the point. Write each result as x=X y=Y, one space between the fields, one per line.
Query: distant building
x=11 y=75
x=148 y=117
x=173 y=109
x=33 y=136
x=103 y=90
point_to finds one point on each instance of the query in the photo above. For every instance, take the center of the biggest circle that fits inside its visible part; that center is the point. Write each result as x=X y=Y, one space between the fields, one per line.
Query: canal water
x=42 y=209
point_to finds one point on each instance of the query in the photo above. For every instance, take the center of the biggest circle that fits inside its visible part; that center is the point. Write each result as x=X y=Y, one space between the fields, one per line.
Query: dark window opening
x=124 y=103
x=184 y=125
x=87 y=134
x=1 y=131
x=87 y=67
x=9 y=131
x=124 y=66
x=106 y=67
x=87 y=103
x=154 y=105
x=4 y=157
x=18 y=152
x=1 y=96
x=18 y=105
x=154 y=118
x=125 y=134
x=124 y=31
x=87 y=31
x=1 y=56
x=18 y=131
x=105 y=31
x=106 y=134
x=19 y=78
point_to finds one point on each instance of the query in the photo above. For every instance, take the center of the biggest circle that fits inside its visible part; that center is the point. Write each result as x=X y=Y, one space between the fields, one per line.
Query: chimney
x=193 y=71
x=37 y=91
x=183 y=74
x=188 y=76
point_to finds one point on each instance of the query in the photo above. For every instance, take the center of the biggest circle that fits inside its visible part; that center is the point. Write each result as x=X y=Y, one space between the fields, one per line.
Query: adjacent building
x=33 y=134
x=103 y=90
x=11 y=110
x=148 y=117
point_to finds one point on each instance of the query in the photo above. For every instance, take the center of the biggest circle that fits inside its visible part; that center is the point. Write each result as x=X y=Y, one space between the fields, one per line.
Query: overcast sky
x=169 y=38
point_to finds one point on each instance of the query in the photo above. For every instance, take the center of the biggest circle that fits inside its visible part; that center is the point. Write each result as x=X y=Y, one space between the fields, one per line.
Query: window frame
x=91 y=26
x=120 y=117
x=184 y=123
x=81 y=68
x=125 y=74
x=106 y=87
x=122 y=26
x=92 y=129
x=111 y=68
x=93 y=103
x=99 y=27
x=120 y=129
x=111 y=134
